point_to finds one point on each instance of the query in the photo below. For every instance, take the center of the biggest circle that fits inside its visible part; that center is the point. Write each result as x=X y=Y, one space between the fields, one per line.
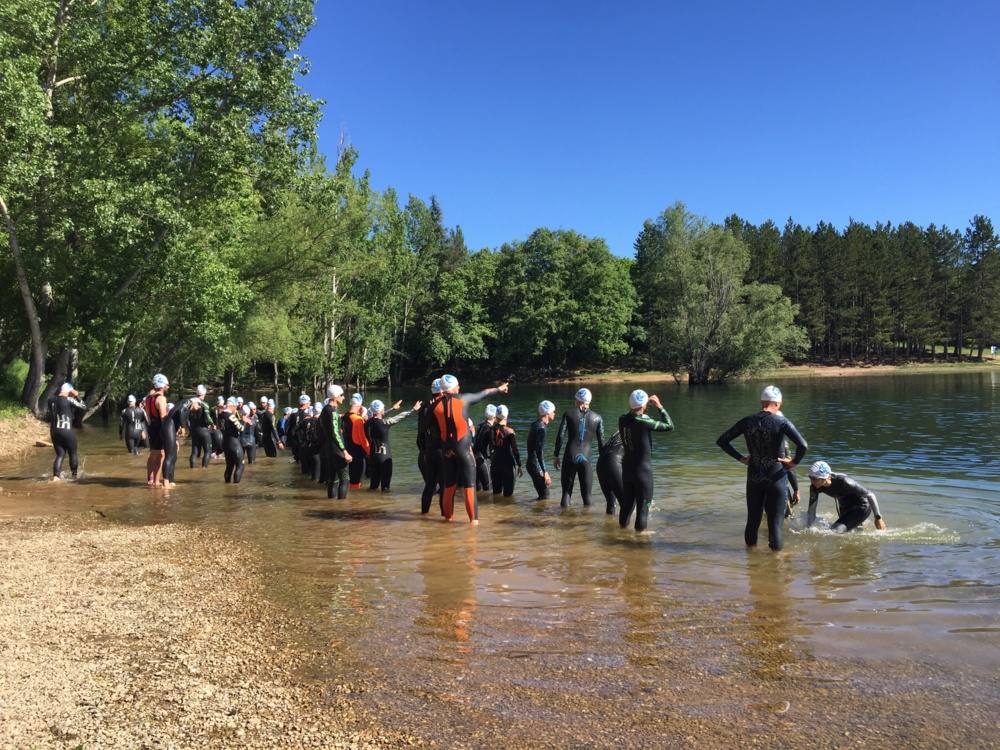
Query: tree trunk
x=275 y=377
x=36 y=371
x=228 y=382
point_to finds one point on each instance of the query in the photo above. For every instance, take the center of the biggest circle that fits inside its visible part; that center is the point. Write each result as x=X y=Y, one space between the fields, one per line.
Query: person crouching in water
x=61 y=428
x=536 y=450
x=378 y=434
x=854 y=502
x=456 y=440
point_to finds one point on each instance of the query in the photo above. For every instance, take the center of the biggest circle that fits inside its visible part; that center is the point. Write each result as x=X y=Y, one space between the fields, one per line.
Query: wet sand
x=158 y=636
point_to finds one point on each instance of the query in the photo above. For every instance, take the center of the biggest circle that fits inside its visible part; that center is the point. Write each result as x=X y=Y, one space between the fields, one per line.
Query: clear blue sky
x=586 y=116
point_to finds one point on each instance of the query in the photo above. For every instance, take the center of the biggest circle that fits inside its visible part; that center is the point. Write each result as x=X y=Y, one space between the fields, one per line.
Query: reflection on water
x=553 y=618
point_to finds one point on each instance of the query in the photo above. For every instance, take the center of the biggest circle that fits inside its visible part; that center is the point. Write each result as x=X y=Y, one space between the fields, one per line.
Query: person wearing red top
x=456 y=439
x=356 y=441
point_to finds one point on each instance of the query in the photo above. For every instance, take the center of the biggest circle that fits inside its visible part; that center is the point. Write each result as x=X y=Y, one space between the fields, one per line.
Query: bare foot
x=475 y=522
x=56 y=479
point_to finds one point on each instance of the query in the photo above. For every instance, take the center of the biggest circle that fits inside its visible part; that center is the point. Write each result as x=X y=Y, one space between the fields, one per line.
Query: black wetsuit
x=176 y=418
x=358 y=467
x=854 y=502
x=155 y=431
x=332 y=453
x=307 y=439
x=381 y=457
x=483 y=450
x=216 y=430
x=609 y=471
x=61 y=431
x=131 y=427
x=268 y=432
x=232 y=429
x=506 y=460
x=578 y=428
x=429 y=455
x=248 y=439
x=291 y=435
x=536 y=457
x=636 y=431
x=767 y=478
x=200 y=424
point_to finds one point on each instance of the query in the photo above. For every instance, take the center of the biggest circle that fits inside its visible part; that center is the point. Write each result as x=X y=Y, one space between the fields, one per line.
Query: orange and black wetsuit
x=356 y=442
x=459 y=463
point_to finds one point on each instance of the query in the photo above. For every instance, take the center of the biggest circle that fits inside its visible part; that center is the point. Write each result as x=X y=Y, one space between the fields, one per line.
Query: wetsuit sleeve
x=813 y=502
x=338 y=436
x=208 y=415
x=600 y=435
x=474 y=398
x=537 y=450
x=801 y=446
x=664 y=424
x=398 y=418
x=514 y=450
x=726 y=439
x=563 y=427
x=77 y=403
x=793 y=481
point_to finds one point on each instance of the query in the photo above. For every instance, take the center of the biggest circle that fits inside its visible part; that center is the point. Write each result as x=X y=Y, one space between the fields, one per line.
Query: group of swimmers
x=454 y=454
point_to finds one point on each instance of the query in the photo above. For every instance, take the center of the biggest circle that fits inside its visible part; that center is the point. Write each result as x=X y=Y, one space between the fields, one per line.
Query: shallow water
x=542 y=622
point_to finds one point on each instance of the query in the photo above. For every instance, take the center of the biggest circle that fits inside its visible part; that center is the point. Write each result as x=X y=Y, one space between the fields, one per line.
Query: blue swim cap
x=377 y=406
x=436 y=385
x=160 y=380
x=449 y=383
x=820 y=470
x=491 y=411
x=231 y=401
x=357 y=398
x=287 y=410
x=545 y=407
x=502 y=412
x=638 y=398
x=584 y=396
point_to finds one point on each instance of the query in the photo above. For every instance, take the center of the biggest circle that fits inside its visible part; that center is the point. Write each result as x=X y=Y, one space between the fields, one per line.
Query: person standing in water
x=636 y=429
x=483 y=448
x=248 y=439
x=767 y=469
x=854 y=502
x=536 y=448
x=269 y=433
x=200 y=425
x=609 y=471
x=356 y=440
x=61 y=428
x=429 y=458
x=506 y=456
x=132 y=426
x=378 y=426
x=456 y=442
x=155 y=406
x=232 y=428
x=578 y=428
x=335 y=456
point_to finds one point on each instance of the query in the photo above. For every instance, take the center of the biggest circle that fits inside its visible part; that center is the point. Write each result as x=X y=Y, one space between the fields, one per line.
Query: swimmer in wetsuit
x=155 y=406
x=429 y=458
x=459 y=463
x=378 y=435
x=232 y=428
x=636 y=429
x=506 y=456
x=200 y=425
x=767 y=469
x=248 y=440
x=578 y=428
x=268 y=432
x=854 y=502
x=353 y=424
x=334 y=454
x=609 y=471
x=483 y=448
x=61 y=428
x=132 y=425
x=536 y=446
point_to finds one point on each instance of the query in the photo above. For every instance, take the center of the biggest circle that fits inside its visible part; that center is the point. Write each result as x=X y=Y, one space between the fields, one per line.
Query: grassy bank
x=19 y=430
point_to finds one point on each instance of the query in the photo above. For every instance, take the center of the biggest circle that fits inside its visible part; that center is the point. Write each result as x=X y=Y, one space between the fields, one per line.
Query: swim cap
x=263 y=400
x=377 y=407
x=160 y=380
x=270 y=403
x=502 y=412
x=545 y=407
x=287 y=411
x=131 y=399
x=584 y=396
x=221 y=400
x=252 y=406
x=334 y=391
x=436 y=385
x=771 y=393
x=449 y=383
x=357 y=398
x=169 y=406
x=201 y=390
x=231 y=401
x=820 y=470
x=637 y=398
x=239 y=400
x=304 y=399
x=491 y=411
x=245 y=410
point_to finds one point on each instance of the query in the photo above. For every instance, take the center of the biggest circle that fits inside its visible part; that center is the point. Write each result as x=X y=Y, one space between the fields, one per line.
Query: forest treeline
x=165 y=208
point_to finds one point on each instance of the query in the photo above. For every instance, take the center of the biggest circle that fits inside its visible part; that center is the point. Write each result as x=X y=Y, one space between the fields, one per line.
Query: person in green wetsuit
x=636 y=429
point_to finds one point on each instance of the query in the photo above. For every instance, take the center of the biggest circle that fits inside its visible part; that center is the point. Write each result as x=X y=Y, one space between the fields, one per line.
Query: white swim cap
x=545 y=407
x=304 y=399
x=771 y=393
x=169 y=406
x=201 y=390
x=131 y=399
x=491 y=411
x=287 y=410
x=637 y=398
x=820 y=470
x=584 y=396
x=263 y=400
x=436 y=385
x=270 y=403
x=448 y=383
x=160 y=380
x=334 y=391
x=252 y=405
x=221 y=400
x=377 y=407
x=502 y=411
x=231 y=401
x=239 y=400
x=245 y=410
